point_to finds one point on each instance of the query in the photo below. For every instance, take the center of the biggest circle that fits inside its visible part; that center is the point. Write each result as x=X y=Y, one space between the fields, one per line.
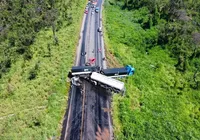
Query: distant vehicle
x=92 y=60
x=97 y=9
x=86 y=12
x=83 y=53
x=94 y=2
x=99 y=29
x=107 y=82
x=99 y=50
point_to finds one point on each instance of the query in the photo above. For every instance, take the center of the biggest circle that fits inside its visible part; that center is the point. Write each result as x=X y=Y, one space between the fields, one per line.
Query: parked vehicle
x=92 y=60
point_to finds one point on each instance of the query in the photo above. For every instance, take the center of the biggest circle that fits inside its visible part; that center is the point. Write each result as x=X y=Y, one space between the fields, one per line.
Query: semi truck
x=101 y=77
x=111 y=72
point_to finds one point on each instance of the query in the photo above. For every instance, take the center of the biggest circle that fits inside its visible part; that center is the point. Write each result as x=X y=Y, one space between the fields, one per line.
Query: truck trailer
x=107 y=82
x=119 y=72
x=111 y=72
x=83 y=70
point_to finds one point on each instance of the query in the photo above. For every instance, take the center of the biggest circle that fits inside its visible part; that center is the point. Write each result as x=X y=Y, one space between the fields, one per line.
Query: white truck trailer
x=107 y=82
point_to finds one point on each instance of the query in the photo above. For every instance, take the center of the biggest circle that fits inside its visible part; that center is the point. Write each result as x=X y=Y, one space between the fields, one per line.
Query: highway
x=88 y=105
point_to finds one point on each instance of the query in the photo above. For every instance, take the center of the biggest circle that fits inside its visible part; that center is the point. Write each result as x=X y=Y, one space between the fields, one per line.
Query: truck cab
x=119 y=72
x=130 y=70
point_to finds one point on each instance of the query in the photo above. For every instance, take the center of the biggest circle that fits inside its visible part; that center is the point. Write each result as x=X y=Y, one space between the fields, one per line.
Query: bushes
x=21 y=21
x=161 y=99
x=4 y=66
x=34 y=71
x=33 y=93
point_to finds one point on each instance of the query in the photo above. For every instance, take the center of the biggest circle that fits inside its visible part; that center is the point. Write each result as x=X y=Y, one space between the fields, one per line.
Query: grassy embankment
x=33 y=109
x=159 y=103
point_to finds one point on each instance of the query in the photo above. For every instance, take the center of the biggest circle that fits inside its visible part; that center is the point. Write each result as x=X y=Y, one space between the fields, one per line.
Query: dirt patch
x=102 y=134
x=111 y=60
x=107 y=109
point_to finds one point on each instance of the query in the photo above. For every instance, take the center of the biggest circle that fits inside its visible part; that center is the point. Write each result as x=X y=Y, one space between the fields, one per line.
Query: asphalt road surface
x=88 y=112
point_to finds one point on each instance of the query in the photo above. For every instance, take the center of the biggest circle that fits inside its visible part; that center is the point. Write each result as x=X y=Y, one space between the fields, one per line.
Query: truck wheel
x=95 y=83
x=109 y=90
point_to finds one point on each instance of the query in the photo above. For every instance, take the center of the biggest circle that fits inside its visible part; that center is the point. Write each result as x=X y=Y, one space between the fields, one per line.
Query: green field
x=160 y=101
x=33 y=93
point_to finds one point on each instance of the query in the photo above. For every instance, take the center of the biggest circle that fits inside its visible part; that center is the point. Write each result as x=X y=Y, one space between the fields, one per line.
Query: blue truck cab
x=130 y=70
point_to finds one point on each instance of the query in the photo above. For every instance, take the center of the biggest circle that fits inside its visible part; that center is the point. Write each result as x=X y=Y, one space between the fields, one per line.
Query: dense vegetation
x=21 y=20
x=161 y=39
x=36 y=51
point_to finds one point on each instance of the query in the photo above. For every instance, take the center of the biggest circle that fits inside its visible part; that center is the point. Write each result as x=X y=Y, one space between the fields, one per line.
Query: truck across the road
x=101 y=77
x=82 y=70
x=111 y=72
x=119 y=72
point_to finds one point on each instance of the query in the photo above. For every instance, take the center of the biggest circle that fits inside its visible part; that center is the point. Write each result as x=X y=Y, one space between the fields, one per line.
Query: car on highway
x=99 y=29
x=99 y=50
x=86 y=12
x=92 y=60
x=97 y=9
x=83 y=53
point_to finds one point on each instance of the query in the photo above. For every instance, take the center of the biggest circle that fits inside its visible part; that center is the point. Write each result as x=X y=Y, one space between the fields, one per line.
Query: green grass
x=33 y=109
x=159 y=103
